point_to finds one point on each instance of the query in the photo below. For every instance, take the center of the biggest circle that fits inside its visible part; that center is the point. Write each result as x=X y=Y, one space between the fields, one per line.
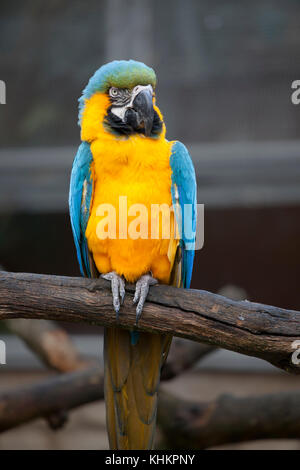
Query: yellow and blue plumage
x=124 y=152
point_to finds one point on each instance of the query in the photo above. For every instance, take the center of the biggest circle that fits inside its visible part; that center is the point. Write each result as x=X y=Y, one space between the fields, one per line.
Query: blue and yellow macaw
x=124 y=152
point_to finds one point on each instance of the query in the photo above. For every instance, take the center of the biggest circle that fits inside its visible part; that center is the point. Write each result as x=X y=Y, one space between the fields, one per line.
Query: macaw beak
x=143 y=106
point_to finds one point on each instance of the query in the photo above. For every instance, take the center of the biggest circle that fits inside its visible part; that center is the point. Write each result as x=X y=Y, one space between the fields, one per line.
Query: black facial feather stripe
x=119 y=127
x=123 y=98
x=120 y=101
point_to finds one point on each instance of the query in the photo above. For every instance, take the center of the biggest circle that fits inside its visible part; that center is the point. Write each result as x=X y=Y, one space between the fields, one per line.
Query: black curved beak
x=143 y=106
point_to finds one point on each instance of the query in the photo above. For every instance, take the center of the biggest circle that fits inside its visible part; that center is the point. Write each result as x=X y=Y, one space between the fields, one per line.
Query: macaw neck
x=111 y=153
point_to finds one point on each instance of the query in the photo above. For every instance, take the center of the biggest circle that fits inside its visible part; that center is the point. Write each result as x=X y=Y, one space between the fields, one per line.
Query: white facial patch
x=121 y=110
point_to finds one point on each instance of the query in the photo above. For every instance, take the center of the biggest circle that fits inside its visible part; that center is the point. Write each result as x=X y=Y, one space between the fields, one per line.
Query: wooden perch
x=249 y=328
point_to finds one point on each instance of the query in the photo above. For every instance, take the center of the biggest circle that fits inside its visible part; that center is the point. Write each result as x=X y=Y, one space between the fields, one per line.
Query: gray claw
x=117 y=289
x=141 y=292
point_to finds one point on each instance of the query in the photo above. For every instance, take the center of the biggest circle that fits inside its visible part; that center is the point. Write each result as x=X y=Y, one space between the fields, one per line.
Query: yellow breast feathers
x=129 y=231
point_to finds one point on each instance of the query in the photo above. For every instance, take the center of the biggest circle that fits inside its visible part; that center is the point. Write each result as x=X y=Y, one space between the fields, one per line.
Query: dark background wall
x=224 y=67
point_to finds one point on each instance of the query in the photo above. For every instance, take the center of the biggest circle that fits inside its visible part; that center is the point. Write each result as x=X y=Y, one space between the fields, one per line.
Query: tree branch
x=50 y=398
x=253 y=329
x=185 y=425
x=49 y=342
x=54 y=396
x=182 y=356
x=188 y=425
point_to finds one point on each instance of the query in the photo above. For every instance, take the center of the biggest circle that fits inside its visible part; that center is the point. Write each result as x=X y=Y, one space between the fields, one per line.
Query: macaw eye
x=113 y=92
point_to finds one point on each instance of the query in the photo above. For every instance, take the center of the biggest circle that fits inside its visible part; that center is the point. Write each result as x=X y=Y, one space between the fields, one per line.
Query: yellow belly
x=137 y=170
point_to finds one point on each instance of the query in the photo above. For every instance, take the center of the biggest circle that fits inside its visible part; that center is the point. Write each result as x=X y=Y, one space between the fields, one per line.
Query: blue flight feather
x=81 y=188
x=184 y=179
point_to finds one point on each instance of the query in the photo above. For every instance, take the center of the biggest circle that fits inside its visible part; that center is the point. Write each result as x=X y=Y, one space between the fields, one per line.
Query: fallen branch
x=184 y=425
x=54 y=396
x=249 y=328
x=50 y=398
x=54 y=348
x=182 y=356
x=49 y=342
x=187 y=425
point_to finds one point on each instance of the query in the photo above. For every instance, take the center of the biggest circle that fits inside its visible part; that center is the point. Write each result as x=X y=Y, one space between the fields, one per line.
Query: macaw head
x=119 y=99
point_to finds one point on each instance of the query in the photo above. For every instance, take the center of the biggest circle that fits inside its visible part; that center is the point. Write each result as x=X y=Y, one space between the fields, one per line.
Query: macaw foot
x=117 y=289
x=141 y=292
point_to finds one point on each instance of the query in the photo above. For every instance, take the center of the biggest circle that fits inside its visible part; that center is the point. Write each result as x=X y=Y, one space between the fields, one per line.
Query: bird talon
x=122 y=292
x=117 y=289
x=141 y=292
x=139 y=310
x=137 y=293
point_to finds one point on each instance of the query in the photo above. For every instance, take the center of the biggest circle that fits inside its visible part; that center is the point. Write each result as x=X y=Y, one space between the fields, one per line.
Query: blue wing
x=80 y=195
x=184 y=192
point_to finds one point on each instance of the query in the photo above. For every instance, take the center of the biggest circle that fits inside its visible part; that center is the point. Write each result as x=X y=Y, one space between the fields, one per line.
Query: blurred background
x=224 y=71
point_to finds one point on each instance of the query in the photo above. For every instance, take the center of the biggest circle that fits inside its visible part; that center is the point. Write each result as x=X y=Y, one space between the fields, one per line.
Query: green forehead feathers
x=120 y=74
